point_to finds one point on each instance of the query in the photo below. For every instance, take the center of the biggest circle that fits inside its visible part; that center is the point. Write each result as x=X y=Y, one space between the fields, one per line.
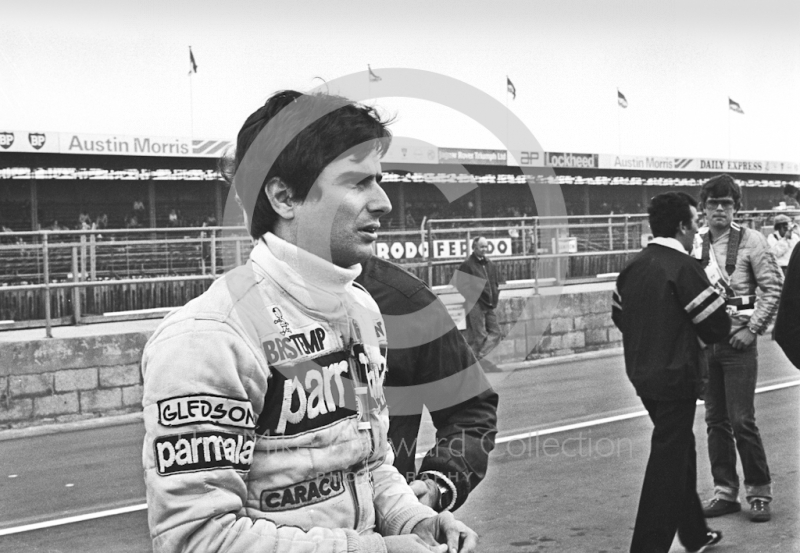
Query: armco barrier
x=66 y=379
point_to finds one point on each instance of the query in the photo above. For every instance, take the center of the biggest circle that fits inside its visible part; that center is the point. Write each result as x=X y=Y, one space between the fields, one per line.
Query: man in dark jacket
x=787 y=325
x=664 y=306
x=477 y=276
x=429 y=363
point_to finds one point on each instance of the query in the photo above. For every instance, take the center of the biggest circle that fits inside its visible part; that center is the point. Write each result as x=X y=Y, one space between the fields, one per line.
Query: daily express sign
x=107 y=144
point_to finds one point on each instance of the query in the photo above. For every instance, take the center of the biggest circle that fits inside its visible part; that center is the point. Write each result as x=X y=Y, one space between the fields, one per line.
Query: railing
x=92 y=276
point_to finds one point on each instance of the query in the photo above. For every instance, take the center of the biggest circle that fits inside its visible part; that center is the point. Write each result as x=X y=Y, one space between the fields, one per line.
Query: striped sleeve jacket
x=662 y=304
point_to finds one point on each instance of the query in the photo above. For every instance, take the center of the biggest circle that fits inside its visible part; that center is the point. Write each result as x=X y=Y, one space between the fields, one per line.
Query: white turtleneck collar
x=312 y=281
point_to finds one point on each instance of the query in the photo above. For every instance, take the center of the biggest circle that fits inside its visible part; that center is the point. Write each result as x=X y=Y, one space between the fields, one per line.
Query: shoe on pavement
x=760 y=511
x=718 y=507
x=712 y=538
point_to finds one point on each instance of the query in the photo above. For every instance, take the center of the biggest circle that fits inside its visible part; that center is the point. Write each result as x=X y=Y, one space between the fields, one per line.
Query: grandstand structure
x=127 y=226
x=60 y=180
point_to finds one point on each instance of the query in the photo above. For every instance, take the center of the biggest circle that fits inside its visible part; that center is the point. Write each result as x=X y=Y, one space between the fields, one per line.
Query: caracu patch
x=205 y=408
x=308 y=395
x=325 y=486
x=198 y=451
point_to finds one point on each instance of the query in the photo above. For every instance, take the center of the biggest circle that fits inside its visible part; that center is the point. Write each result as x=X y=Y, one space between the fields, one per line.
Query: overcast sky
x=120 y=67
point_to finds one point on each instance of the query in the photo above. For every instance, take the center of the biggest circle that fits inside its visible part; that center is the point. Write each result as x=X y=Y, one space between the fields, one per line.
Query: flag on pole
x=511 y=88
x=192 y=62
x=372 y=76
x=734 y=106
x=621 y=100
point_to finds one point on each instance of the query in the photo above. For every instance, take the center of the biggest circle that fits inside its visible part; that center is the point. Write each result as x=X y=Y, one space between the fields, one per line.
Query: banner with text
x=466 y=156
x=107 y=144
x=442 y=249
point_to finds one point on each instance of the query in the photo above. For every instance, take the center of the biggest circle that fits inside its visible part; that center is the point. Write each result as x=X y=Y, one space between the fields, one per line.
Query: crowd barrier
x=111 y=275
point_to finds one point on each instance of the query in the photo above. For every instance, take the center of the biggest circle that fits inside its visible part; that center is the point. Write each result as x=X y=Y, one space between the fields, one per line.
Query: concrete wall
x=68 y=379
x=550 y=325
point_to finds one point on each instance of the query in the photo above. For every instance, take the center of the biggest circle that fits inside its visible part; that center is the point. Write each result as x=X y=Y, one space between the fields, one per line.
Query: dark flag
x=372 y=76
x=734 y=106
x=511 y=88
x=621 y=100
x=192 y=62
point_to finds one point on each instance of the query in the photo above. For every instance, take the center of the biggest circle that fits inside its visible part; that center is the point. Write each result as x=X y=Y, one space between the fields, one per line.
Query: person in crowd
x=173 y=218
x=264 y=407
x=664 y=305
x=478 y=281
x=739 y=262
x=790 y=196
x=783 y=240
x=431 y=364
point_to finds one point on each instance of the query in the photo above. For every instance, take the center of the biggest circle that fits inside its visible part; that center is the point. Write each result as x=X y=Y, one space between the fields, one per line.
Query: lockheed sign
x=559 y=159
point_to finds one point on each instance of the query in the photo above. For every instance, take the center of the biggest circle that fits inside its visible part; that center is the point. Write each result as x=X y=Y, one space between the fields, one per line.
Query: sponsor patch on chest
x=308 y=395
x=203 y=408
x=198 y=451
x=325 y=486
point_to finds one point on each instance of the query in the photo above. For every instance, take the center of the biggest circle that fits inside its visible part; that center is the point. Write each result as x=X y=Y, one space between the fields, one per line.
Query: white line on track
x=504 y=439
x=70 y=520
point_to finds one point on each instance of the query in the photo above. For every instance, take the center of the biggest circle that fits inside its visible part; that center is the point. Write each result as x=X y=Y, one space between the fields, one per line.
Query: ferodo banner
x=473 y=157
x=442 y=249
x=561 y=159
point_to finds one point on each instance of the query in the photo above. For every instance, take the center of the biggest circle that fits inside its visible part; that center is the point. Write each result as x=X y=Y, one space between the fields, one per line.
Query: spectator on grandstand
x=790 y=196
x=173 y=218
x=477 y=280
x=101 y=221
x=783 y=240
x=664 y=305
x=132 y=222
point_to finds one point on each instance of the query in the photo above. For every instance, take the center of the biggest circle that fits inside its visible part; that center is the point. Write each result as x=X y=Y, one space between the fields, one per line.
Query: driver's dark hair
x=719 y=187
x=668 y=210
x=303 y=134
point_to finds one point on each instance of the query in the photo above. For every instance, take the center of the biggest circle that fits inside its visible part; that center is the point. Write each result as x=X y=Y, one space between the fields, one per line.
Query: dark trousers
x=731 y=419
x=669 y=501
x=483 y=331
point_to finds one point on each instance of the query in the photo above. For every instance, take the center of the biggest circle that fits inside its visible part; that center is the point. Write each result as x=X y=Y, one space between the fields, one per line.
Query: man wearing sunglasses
x=739 y=261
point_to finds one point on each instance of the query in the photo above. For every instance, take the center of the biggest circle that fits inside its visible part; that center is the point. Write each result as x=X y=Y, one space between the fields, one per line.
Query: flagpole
x=191 y=102
x=729 y=128
x=619 y=128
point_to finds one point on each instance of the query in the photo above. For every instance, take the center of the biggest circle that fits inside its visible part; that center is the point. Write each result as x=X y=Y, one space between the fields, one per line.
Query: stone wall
x=545 y=326
x=70 y=379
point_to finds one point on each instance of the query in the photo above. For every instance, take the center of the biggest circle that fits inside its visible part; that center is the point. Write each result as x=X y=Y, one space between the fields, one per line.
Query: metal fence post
x=46 y=263
x=93 y=257
x=76 y=292
x=429 y=239
x=238 y=252
x=214 y=253
x=536 y=256
x=627 y=245
x=610 y=236
x=84 y=272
